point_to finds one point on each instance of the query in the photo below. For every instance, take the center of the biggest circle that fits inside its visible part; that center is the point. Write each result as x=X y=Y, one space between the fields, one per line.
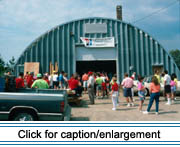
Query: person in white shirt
x=90 y=84
x=65 y=80
x=55 y=80
x=133 y=78
x=50 y=78
x=167 y=87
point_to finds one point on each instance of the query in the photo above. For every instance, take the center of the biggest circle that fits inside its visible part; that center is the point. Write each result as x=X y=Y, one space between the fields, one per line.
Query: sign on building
x=95 y=28
x=98 y=42
x=31 y=67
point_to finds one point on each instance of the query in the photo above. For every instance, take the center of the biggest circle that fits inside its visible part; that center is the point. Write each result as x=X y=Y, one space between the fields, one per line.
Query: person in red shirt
x=104 y=88
x=114 y=93
x=70 y=80
x=74 y=85
x=107 y=84
x=30 y=80
x=26 y=76
x=20 y=81
x=45 y=77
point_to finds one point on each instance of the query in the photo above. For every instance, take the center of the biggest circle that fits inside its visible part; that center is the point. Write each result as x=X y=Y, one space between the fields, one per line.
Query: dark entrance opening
x=108 y=66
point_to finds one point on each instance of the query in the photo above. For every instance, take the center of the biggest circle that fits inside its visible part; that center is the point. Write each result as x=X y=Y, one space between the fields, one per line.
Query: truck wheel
x=24 y=117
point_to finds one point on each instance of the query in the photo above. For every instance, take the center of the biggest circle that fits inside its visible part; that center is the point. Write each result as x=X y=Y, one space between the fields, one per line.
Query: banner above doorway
x=98 y=42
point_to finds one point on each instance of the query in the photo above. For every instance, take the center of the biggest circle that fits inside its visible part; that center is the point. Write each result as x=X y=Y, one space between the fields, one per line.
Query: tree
x=176 y=56
x=2 y=65
x=6 y=67
x=10 y=64
x=12 y=61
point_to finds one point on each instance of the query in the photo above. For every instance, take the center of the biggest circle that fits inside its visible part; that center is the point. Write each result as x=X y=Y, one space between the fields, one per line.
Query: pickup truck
x=34 y=105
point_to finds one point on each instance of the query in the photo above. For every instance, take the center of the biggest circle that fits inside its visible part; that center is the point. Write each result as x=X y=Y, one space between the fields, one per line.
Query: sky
x=22 y=21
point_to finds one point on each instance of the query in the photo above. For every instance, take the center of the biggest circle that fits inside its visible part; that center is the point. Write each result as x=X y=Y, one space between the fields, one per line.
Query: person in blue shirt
x=61 y=80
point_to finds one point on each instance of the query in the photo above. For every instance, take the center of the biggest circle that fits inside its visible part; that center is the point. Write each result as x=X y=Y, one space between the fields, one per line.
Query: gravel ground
x=102 y=111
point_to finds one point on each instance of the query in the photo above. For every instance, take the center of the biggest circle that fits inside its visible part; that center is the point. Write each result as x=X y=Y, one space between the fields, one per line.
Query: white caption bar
x=93 y=133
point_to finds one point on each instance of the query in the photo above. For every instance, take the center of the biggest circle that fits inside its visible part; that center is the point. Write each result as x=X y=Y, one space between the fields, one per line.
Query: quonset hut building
x=98 y=44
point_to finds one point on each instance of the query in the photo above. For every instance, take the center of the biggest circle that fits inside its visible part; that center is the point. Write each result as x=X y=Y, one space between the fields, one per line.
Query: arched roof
x=94 y=20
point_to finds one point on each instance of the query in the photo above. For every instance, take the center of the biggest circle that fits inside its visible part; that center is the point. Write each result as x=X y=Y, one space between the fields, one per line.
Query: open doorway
x=108 y=66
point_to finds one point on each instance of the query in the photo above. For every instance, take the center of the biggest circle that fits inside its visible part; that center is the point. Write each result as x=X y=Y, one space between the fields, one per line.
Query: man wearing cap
x=40 y=83
x=90 y=84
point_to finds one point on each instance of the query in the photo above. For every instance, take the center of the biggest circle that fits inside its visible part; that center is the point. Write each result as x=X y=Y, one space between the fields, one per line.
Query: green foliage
x=12 y=61
x=176 y=56
x=6 y=67
x=10 y=64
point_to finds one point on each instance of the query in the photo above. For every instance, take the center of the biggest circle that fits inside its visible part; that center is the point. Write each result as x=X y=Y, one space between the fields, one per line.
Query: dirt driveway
x=102 y=111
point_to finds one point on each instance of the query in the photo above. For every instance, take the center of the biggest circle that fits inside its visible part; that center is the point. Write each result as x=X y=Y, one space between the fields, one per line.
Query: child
x=104 y=88
x=114 y=93
x=176 y=82
x=141 y=93
x=173 y=88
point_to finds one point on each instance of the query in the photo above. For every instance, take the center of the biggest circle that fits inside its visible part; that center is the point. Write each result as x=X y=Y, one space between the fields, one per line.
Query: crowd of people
x=100 y=85
x=164 y=81
x=100 y=82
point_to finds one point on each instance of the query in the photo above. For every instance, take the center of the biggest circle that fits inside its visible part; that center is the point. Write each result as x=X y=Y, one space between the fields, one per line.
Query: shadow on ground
x=103 y=103
x=82 y=104
x=168 y=112
x=126 y=109
x=79 y=118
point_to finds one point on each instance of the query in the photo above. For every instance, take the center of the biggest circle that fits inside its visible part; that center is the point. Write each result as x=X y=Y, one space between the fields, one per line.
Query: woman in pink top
x=155 y=93
x=173 y=88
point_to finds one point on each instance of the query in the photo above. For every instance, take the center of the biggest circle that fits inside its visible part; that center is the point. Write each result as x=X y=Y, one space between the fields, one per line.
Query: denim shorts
x=173 y=89
x=99 y=87
x=127 y=92
x=141 y=95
